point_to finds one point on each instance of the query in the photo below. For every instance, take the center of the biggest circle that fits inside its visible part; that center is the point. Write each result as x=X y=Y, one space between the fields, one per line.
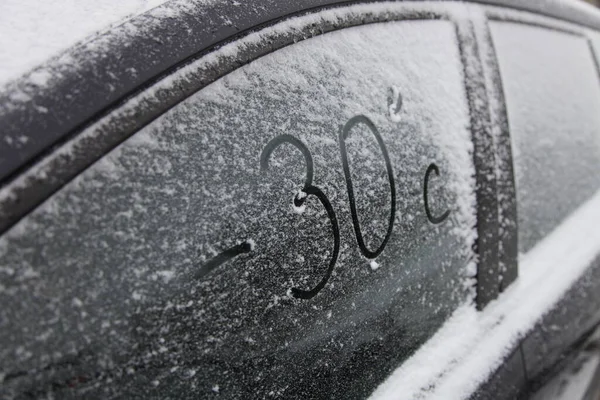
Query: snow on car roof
x=32 y=31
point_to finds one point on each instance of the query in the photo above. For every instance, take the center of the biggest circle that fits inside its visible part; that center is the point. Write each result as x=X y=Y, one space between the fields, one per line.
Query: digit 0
x=344 y=134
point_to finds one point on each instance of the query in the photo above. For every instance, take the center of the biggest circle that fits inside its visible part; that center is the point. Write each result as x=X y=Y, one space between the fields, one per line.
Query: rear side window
x=552 y=92
x=295 y=229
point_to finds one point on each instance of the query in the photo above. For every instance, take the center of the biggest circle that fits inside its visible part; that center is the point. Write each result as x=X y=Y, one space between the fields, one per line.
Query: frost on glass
x=177 y=263
x=552 y=91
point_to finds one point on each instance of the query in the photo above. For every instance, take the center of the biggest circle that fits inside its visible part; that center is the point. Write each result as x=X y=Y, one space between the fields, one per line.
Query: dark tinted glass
x=296 y=229
x=553 y=96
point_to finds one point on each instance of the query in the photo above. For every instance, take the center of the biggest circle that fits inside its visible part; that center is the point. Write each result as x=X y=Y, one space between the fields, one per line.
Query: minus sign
x=244 y=247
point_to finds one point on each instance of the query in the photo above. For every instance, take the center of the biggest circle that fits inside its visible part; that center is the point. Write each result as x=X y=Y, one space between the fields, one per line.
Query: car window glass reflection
x=552 y=93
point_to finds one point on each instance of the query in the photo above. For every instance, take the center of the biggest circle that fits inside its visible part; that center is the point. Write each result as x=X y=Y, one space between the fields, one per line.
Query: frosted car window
x=295 y=229
x=553 y=96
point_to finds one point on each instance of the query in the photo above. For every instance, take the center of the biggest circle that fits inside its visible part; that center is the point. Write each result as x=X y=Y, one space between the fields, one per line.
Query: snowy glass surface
x=104 y=282
x=552 y=93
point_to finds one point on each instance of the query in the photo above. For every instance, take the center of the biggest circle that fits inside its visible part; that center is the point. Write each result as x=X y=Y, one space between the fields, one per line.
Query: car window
x=299 y=227
x=552 y=94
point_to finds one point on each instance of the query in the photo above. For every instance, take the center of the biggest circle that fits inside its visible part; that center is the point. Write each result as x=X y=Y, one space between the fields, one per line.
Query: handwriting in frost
x=299 y=200
x=310 y=190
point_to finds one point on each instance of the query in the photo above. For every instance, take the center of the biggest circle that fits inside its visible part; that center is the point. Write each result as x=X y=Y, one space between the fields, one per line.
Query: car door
x=296 y=227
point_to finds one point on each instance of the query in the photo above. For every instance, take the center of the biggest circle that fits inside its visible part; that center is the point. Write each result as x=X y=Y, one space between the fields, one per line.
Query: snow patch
x=165 y=275
x=299 y=196
x=395 y=104
x=32 y=31
x=374 y=265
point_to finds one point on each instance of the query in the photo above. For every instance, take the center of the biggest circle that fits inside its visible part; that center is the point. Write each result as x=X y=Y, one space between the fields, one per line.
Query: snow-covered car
x=315 y=199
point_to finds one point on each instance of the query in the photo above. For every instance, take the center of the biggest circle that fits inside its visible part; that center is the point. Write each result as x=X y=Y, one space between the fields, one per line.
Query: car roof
x=33 y=31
